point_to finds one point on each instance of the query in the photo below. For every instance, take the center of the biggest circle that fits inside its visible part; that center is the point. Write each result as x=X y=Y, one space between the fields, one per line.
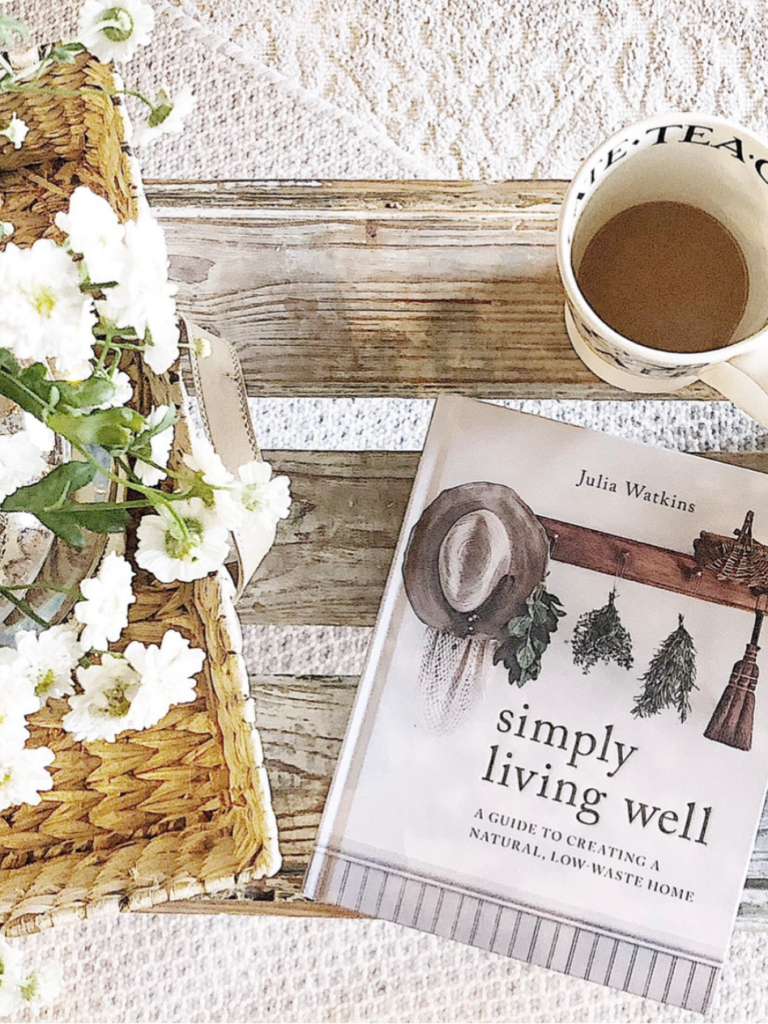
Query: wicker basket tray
x=184 y=807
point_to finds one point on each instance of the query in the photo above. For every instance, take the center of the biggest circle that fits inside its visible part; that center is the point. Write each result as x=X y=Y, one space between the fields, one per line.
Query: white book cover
x=559 y=747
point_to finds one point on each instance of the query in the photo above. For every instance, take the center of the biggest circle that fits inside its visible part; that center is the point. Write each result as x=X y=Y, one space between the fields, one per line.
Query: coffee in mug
x=663 y=252
x=668 y=276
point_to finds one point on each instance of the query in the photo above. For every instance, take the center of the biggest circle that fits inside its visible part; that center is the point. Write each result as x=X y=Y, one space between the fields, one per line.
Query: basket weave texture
x=184 y=807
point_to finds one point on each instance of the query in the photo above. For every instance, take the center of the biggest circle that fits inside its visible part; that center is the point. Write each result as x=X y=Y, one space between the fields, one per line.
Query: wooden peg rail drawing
x=642 y=563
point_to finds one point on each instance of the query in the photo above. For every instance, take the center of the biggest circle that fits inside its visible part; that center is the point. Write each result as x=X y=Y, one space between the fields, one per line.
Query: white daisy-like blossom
x=6 y=230
x=17 y=700
x=172 y=553
x=160 y=449
x=44 y=315
x=16 y=132
x=201 y=347
x=42 y=437
x=123 y=391
x=41 y=987
x=10 y=979
x=226 y=510
x=94 y=233
x=47 y=660
x=263 y=496
x=115 y=30
x=23 y=775
x=103 y=709
x=167 y=116
x=143 y=297
x=21 y=461
x=167 y=676
x=104 y=610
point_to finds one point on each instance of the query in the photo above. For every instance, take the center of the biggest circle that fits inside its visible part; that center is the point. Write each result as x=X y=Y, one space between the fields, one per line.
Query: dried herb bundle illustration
x=670 y=677
x=600 y=636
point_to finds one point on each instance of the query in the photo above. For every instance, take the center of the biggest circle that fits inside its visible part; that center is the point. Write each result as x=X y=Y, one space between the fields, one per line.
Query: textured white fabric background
x=386 y=89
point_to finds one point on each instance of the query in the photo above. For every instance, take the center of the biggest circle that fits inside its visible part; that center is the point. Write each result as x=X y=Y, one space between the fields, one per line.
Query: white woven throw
x=399 y=89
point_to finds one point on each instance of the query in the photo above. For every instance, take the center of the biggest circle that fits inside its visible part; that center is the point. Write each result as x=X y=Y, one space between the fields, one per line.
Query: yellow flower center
x=45 y=682
x=44 y=302
x=117 y=703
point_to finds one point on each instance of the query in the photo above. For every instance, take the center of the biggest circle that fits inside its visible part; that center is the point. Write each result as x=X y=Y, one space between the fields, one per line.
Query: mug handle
x=743 y=380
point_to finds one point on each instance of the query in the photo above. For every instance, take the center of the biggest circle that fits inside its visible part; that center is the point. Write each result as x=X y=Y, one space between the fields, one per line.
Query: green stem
x=43 y=585
x=24 y=607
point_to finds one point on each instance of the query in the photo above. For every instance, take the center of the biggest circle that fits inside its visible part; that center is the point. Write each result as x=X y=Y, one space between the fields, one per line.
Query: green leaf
x=98 y=520
x=526 y=655
x=14 y=386
x=64 y=527
x=518 y=626
x=112 y=429
x=52 y=491
x=87 y=394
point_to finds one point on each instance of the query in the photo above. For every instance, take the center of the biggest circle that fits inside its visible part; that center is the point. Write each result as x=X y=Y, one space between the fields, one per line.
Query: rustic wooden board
x=377 y=288
x=364 y=288
x=302 y=723
x=332 y=556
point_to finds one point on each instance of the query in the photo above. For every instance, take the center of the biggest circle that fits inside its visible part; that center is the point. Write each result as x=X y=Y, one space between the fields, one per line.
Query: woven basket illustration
x=184 y=807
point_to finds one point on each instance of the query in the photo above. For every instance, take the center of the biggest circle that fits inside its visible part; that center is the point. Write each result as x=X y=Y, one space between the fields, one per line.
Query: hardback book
x=559 y=747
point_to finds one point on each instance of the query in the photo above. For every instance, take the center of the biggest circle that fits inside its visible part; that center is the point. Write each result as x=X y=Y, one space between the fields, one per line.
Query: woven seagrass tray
x=184 y=807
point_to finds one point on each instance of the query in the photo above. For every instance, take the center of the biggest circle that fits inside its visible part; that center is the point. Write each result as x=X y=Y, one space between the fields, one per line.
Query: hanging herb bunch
x=600 y=636
x=529 y=635
x=670 y=677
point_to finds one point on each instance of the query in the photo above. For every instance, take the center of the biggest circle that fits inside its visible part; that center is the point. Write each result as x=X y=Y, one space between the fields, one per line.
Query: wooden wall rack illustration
x=731 y=571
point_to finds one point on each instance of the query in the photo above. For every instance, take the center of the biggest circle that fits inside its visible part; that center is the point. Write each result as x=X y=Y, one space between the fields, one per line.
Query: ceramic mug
x=705 y=162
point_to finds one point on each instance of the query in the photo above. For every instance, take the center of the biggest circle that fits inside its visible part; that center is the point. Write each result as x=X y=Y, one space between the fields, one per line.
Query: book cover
x=559 y=748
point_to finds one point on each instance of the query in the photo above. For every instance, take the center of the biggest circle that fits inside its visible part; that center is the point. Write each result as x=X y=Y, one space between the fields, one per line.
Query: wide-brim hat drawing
x=475 y=555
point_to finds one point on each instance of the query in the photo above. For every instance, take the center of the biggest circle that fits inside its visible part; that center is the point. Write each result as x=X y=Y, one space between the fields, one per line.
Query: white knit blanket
x=397 y=89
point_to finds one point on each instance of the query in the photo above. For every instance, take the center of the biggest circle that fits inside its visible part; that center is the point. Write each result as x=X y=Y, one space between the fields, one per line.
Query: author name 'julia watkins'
x=635 y=490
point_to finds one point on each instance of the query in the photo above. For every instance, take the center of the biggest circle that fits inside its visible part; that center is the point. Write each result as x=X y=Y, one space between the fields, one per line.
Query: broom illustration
x=732 y=720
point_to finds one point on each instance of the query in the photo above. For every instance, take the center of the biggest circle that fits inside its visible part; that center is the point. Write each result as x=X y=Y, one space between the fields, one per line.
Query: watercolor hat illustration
x=473 y=558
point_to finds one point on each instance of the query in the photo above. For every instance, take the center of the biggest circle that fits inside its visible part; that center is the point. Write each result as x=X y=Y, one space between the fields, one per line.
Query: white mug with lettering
x=662 y=248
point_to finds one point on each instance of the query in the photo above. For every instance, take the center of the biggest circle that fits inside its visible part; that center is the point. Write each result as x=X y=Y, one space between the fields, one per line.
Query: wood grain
x=302 y=723
x=675 y=571
x=380 y=288
x=332 y=556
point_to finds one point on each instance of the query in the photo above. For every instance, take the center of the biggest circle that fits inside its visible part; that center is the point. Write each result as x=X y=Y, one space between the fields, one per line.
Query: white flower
x=143 y=297
x=221 y=503
x=103 y=709
x=6 y=230
x=167 y=676
x=47 y=660
x=42 y=437
x=201 y=347
x=16 y=132
x=10 y=979
x=167 y=116
x=159 y=449
x=23 y=776
x=172 y=551
x=17 y=700
x=20 y=462
x=44 y=315
x=94 y=233
x=123 y=391
x=41 y=987
x=115 y=30
x=264 y=497
x=104 y=612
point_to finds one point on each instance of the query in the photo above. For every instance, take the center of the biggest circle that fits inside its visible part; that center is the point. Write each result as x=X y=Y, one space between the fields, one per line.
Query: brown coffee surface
x=666 y=275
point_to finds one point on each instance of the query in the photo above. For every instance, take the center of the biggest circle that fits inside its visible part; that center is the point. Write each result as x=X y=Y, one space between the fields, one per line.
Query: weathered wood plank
x=302 y=722
x=332 y=556
x=378 y=288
